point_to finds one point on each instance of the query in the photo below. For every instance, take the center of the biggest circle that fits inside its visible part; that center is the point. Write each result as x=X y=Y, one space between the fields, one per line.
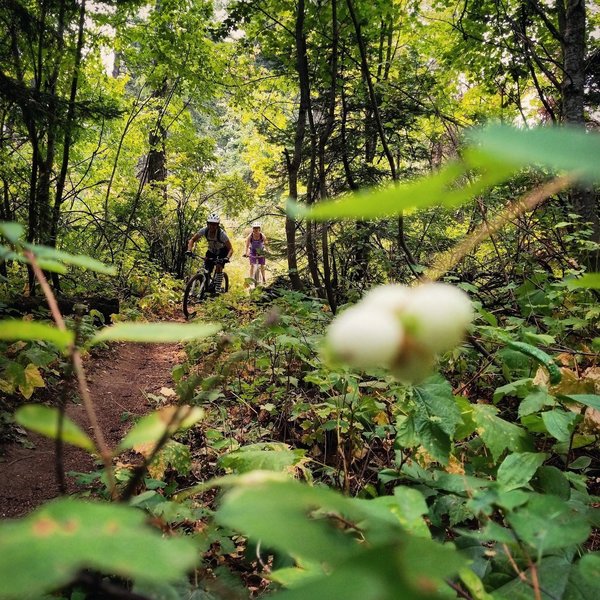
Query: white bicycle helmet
x=256 y=224
x=213 y=218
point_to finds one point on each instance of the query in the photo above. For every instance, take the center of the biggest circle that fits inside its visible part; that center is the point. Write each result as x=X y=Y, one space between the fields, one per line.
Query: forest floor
x=119 y=380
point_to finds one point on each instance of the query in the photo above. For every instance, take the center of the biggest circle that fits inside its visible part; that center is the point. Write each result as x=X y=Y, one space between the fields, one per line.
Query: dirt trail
x=118 y=381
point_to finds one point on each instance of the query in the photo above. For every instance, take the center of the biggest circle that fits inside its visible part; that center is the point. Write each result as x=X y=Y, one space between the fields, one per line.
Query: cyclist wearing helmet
x=255 y=248
x=219 y=246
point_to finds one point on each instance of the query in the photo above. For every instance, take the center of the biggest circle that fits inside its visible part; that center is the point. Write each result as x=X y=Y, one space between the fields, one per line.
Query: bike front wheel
x=225 y=283
x=194 y=294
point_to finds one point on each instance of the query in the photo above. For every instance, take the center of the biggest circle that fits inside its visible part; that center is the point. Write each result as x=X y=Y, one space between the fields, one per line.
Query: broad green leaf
x=47 y=549
x=14 y=329
x=274 y=457
x=548 y=523
x=534 y=402
x=517 y=469
x=589 y=567
x=51 y=265
x=278 y=513
x=32 y=378
x=151 y=428
x=467 y=426
x=556 y=148
x=498 y=434
x=12 y=231
x=448 y=187
x=552 y=573
x=45 y=253
x=591 y=400
x=436 y=417
x=45 y=420
x=560 y=423
x=551 y=480
x=589 y=281
x=584 y=582
x=413 y=569
x=293 y=577
x=406 y=507
x=155 y=332
x=173 y=454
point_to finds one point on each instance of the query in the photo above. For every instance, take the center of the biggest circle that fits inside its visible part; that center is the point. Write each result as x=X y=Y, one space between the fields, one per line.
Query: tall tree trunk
x=62 y=176
x=293 y=162
x=583 y=197
x=364 y=63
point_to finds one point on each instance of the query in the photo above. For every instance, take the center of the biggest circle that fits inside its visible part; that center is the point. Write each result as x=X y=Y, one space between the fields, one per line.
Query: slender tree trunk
x=62 y=176
x=583 y=197
x=379 y=124
x=293 y=162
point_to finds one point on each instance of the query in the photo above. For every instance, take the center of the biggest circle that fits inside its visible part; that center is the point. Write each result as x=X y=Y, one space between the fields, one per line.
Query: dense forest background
x=349 y=129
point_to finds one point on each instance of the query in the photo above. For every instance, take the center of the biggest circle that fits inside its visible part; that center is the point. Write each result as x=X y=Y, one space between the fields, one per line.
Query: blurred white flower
x=365 y=337
x=401 y=328
x=392 y=297
x=438 y=315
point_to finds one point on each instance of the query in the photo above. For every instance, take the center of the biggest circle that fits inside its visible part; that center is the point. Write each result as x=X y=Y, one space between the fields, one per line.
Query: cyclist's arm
x=247 y=244
x=229 y=248
x=193 y=241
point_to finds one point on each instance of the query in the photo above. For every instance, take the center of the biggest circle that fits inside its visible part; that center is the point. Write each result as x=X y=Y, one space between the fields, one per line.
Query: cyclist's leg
x=222 y=253
x=261 y=266
x=209 y=264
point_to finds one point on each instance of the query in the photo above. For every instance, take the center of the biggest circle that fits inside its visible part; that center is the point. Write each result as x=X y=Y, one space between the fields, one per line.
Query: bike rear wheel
x=194 y=294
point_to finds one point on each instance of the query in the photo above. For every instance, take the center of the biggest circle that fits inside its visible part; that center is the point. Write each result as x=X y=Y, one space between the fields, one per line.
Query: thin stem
x=77 y=363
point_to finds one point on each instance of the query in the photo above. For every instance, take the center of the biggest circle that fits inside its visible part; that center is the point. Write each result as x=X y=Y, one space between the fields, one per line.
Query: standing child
x=255 y=249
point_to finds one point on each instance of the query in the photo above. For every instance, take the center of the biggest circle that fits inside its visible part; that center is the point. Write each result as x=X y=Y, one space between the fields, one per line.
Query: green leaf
x=436 y=417
x=552 y=481
x=591 y=400
x=498 y=434
x=589 y=281
x=47 y=549
x=155 y=332
x=517 y=469
x=45 y=420
x=407 y=507
x=264 y=457
x=589 y=567
x=534 y=402
x=278 y=513
x=560 y=423
x=151 y=428
x=552 y=573
x=12 y=231
x=52 y=266
x=556 y=148
x=548 y=523
x=14 y=329
x=447 y=187
x=79 y=260
x=384 y=573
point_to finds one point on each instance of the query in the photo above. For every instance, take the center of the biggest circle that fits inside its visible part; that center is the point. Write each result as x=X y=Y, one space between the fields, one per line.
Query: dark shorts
x=211 y=256
x=255 y=259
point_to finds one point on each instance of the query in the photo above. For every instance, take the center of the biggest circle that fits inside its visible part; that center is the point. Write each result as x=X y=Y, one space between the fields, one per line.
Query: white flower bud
x=437 y=315
x=391 y=297
x=365 y=337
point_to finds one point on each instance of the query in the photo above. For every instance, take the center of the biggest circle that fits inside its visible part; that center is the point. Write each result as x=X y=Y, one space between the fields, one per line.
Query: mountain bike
x=201 y=284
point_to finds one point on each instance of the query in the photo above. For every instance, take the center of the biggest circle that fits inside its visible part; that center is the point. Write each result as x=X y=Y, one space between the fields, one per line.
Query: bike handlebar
x=217 y=261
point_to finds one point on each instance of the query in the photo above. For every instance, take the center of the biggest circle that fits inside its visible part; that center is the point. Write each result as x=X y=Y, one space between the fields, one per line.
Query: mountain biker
x=255 y=244
x=219 y=247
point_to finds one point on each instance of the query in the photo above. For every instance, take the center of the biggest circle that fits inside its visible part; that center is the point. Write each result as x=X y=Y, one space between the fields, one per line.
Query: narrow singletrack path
x=119 y=381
